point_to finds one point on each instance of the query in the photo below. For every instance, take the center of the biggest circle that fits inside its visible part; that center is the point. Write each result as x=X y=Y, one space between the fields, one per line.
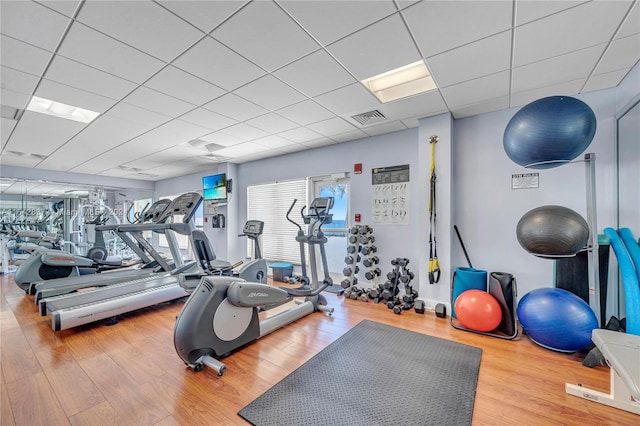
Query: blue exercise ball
x=557 y=319
x=552 y=231
x=549 y=132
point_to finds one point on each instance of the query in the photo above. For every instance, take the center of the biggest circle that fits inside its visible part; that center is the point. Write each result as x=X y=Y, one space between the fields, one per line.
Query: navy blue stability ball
x=549 y=132
x=557 y=319
x=552 y=231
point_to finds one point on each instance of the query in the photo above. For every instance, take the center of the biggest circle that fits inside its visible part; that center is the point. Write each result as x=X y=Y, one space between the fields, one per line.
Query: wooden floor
x=129 y=373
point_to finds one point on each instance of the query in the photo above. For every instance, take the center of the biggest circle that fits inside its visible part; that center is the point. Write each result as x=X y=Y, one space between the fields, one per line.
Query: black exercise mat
x=376 y=374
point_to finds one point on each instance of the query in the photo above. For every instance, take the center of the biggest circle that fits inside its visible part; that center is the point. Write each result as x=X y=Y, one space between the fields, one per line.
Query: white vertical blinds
x=269 y=203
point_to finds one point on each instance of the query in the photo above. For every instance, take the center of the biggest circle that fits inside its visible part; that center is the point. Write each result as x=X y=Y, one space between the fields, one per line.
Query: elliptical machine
x=221 y=315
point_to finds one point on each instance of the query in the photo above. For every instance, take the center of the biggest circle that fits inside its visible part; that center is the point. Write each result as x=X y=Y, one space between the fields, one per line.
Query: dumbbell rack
x=389 y=292
x=360 y=250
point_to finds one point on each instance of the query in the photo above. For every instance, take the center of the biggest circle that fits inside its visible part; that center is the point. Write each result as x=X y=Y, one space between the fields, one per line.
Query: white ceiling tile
x=274 y=141
x=264 y=34
x=42 y=134
x=272 y=123
x=422 y=105
x=179 y=152
x=329 y=21
x=170 y=134
x=6 y=129
x=567 y=89
x=604 y=81
x=152 y=100
x=17 y=81
x=473 y=60
x=478 y=90
x=135 y=114
x=244 y=132
x=219 y=138
x=235 y=107
x=75 y=74
x=621 y=54
x=245 y=148
x=571 y=66
x=315 y=74
x=179 y=84
x=23 y=57
x=208 y=119
x=411 y=122
x=631 y=25
x=349 y=136
x=14 y=99
x=331 y=127
x=300 y=134
x=481 y=107
x=318 y=143
x=270 y=92
x=379 y=129
x=350 y=99
x=32 y=23
x=442 y=25
x=582 y=26
x=530 y=10
x=87 y=46
x=295 y=147
x=305 y=112
x=141 y=24
x=381 y=47
x=9 y=159
x=71 y=96
x=66 y=7
x=217 y=64
x=205 y=15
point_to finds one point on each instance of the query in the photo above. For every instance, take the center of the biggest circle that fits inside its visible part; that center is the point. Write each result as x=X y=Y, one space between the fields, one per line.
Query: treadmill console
x=253 y=228
x=184 y=205
x=155 y=211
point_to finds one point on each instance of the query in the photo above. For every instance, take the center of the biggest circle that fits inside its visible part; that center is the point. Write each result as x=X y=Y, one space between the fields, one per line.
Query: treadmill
x=153 y=262
x=75 y=309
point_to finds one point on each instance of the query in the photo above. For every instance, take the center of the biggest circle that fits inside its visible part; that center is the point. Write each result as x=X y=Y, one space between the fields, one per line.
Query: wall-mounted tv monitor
x=215 y=187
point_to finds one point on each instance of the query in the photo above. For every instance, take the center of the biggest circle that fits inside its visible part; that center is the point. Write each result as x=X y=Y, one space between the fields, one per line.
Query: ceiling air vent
x=369 y=117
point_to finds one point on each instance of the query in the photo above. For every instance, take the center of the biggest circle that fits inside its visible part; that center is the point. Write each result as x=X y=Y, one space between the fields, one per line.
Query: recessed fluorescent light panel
x=401 y=82
x=57 y=109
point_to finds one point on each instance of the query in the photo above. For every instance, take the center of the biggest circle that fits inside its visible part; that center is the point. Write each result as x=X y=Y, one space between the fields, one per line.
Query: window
x=270 y=203
x=336 y=231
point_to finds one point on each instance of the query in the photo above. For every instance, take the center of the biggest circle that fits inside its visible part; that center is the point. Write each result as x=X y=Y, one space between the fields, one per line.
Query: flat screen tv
x=215 y=187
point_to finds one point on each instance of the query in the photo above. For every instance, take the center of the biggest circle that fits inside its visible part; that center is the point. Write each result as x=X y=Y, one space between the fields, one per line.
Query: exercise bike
x=221 y=315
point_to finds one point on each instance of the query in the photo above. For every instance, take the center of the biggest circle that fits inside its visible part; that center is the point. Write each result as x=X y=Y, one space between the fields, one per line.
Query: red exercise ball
x=478 y=310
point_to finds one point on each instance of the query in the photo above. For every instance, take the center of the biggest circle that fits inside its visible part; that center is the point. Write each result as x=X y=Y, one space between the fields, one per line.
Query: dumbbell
x=347 y=271
x=346 y=283
x=353 y=239
x=393 y=302
x=354 y=230
x=391 y=276
x=350 y=259
x=364 y=296
x=375 y=292
x=418 y=306
x=372 y=273
x=352 y=249
x=410 y=296
x=368 y=249
x=365 y=229
x=366 y=239
x=355 y=293
x=407 y=277
x=370 y=261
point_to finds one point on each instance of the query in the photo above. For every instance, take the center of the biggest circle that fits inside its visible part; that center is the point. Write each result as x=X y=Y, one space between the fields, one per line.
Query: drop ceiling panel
x=621 y=54
x=442 y=25
x=235 y=107
x=207 y=119
x=220 y=138
x=315 y=74
x=483 y=107
x=350 y=99
x=32 y=23
x=331 y=127
x=604 y=81
x=135 y=114
x=141 y=24
x=8 y=159
x=244 y=132
x=23 y=57
x=473 y=60
x=573 y=29
x=92 y=48
x=264 y=34
x=245 y=148
x=66 y=7
x=272 y=123
x=42 y=134
x=217 y=64
x=383 y=128
x=179 y=152
x=349 y=136
x=319 y=142
x=423 y=105
x=478 y=90
x=572 y=66
x=179 y=84
x=631 y=25
x=205 y=15
x=300 y=134
x=270 y=92
x=329 y=21
x=305 y=112
x=274 y=141
x=567 y=88
x=83 y=77
x=17 y=81
x=381 y=47
x=530 y=10
x=7 y=127
x=14 y=99
x=71 y=96
x=152 y=100
x=173 y=133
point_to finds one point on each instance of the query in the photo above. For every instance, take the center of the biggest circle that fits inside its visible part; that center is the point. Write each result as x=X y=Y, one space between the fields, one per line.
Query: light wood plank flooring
x=129 y=373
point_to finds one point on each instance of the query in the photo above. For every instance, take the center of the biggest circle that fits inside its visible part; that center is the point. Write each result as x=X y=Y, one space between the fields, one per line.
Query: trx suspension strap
x=434 y=266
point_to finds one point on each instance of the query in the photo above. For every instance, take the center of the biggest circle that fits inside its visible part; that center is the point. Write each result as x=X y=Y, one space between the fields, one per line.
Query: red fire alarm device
x=357 y=168
x=357 y=218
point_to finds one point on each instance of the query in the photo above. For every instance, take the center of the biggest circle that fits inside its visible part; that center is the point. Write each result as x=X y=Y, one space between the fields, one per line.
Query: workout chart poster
x=390 y=200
